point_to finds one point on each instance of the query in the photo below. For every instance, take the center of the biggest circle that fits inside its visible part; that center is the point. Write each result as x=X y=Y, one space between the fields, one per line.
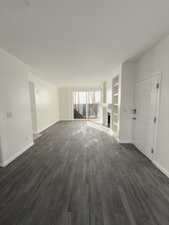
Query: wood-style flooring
x=76 y=174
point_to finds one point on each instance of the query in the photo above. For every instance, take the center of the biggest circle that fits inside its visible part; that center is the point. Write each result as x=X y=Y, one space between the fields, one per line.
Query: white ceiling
x=72 y=42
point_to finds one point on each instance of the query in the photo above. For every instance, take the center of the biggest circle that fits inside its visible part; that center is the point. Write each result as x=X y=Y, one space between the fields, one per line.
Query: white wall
x=16 y=128
x=47 y=103
x=104 y=101
x=109 y=91
x=157 y=60
x=65 y=103
x=33 y=107
x=15 y=118
x=126 y=73
x=127 y=102
x=104 y=90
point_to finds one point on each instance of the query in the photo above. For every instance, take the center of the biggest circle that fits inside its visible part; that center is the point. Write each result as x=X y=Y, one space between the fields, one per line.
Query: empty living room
x=84 y=112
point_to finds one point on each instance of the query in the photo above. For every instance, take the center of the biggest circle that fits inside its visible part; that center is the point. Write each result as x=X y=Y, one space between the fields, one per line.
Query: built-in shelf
x=104 y=104
x=115 y=123
x=115 y=108
x=116 y=85
x=116 y=94
x=109 y=105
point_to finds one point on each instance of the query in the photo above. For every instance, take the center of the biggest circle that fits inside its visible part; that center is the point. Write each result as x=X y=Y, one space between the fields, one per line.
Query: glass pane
x=93 y=104
x=79 y=104
x=89 y=100
x=93 y=111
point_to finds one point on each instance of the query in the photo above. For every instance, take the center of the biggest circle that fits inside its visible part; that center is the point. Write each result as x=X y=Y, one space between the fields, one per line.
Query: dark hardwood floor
x=78 y=175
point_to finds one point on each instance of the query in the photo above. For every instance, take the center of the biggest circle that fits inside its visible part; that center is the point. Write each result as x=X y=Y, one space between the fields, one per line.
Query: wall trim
x=75 y=120
x=16 y=155
x=161 y=168
x=46 y=127
x=125 y=141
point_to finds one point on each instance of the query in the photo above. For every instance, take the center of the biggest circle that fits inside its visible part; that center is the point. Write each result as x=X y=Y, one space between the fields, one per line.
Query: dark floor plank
x=76 y=174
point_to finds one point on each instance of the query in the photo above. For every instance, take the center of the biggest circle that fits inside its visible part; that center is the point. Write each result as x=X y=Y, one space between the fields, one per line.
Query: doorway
x=147 y=109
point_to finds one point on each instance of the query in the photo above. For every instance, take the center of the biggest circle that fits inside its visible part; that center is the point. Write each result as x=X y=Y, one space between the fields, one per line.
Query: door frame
x=157 y=75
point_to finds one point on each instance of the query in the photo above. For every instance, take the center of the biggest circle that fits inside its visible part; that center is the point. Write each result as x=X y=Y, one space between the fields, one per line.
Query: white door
x=147 y=108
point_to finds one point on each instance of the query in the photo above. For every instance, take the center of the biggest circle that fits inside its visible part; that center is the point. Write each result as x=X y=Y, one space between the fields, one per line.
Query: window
x=86 y=104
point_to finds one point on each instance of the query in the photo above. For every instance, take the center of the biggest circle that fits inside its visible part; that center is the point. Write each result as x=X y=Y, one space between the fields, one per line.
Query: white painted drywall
x=65 y=103
x=15 y=118
x=109 y=92
x=126 y=73
x=16 y=127
x=104 y=91
x=104 y=105
x=46 y=103
x=127 y=102
x=33 y=107
x=157 y=60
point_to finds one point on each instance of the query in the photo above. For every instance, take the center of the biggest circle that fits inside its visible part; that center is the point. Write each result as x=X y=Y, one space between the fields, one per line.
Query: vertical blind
x=86 y=97
x=86 y=103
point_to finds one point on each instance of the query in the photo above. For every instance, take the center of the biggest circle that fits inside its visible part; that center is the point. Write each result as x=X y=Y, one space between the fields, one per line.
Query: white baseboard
x=161 y=168
x=164 y=171
x=16 y=155
x=62 y=120
x=125 y=141
x=122 y=140
x=46 y=127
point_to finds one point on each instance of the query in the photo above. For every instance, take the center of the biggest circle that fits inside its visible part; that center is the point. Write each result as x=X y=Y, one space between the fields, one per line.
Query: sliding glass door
x=93 y=104
x=79 y=104
x=86 y=104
